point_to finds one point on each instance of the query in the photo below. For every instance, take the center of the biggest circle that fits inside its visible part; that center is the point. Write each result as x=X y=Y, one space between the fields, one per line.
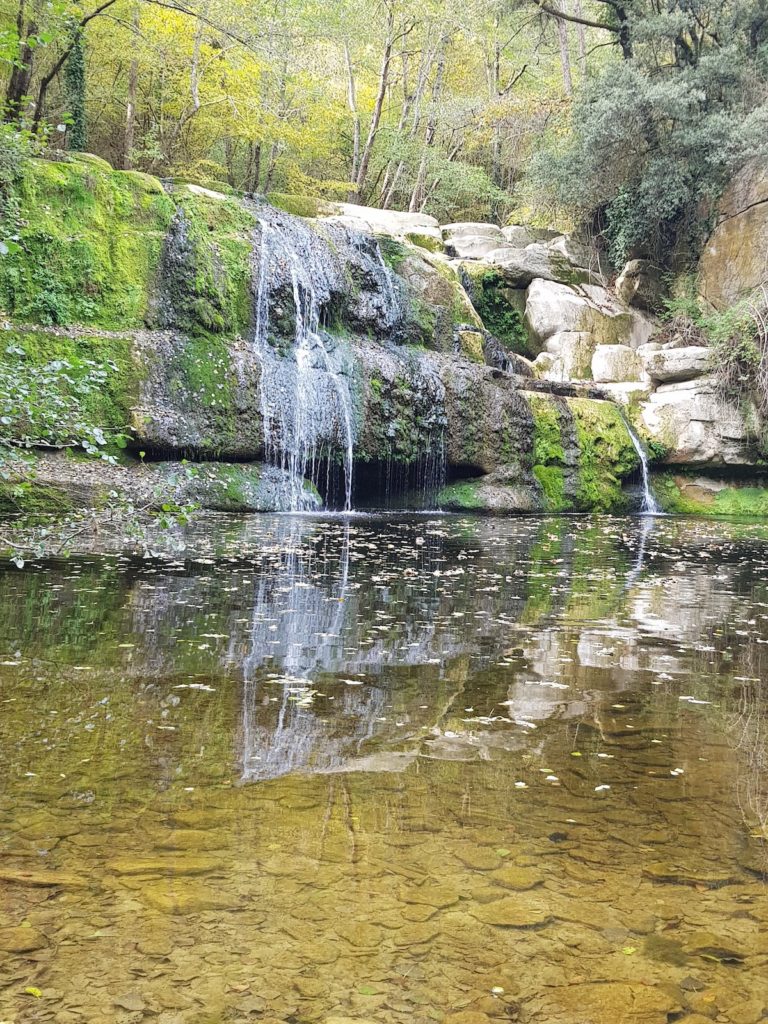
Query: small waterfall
x=306 y=405
x=650 y=505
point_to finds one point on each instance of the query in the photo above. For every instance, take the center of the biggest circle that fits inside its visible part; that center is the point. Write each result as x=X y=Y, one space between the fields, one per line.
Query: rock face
x=733 y=263
x=281 y=353
x=616 y=363
x=696 y=428
x=640 y=284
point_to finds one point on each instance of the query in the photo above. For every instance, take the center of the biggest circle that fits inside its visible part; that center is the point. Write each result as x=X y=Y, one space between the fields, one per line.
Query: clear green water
x=389 y=770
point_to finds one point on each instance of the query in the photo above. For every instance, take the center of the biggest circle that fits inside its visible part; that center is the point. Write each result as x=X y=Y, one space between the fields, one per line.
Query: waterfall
x=650 y=505
x=306 y=404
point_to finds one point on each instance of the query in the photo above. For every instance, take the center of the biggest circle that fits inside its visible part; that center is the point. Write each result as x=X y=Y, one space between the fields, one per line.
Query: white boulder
x=668 y=365
x=614 y=364
x=697 y=427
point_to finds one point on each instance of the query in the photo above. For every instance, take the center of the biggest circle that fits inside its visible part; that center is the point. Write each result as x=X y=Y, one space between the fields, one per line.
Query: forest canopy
x=625 y=117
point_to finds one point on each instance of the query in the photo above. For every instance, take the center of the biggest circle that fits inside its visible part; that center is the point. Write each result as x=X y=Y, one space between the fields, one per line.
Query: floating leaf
x=32 y=991
x=629 y=950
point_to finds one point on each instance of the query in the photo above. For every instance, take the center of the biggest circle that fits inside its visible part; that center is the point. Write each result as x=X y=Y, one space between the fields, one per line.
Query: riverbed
x=388 y=769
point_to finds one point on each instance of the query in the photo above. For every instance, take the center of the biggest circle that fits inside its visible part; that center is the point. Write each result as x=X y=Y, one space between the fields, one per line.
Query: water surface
x=402 y=769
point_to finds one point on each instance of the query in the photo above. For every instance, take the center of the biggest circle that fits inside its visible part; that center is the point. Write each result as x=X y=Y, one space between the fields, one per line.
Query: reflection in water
x=392 y=770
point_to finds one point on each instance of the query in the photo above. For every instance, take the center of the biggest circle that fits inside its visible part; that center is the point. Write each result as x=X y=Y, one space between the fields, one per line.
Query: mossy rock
x=606 y=454
x=300 y=206
x=500 y=307
x=30 y=498
x=89 y=246
x=206 y=266
x=683 y=494
x=462 y=496
x=428 y=242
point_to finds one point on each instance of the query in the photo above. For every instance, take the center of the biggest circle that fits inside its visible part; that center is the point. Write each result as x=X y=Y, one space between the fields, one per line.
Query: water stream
x=650 y=506
x=306 y=403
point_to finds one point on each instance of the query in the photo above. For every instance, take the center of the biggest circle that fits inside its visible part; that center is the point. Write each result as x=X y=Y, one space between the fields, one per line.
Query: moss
x=427 y=242
x=31 y=498
x=299 y=206
x=89 y=247
x=201 y=375
x=548 y=455
x=393 y=253
x=682 y=495
x=207 y=265
x=606 y=454
x=552 y=480
x=462 y=495
x=501 y=316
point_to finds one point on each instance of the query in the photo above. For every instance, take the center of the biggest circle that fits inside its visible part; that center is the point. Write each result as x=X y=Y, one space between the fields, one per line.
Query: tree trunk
x=352 y=104
x=581 y=38
x=17 y=89
x=133 y=92
x=373 y=128
x=565 y=57
x=418 y=196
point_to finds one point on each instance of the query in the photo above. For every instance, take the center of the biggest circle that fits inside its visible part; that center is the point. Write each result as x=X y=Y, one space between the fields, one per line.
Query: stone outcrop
x=640 y=284
x=735 y=258
x=616 y=363
x=278 y=352
x=694 y=427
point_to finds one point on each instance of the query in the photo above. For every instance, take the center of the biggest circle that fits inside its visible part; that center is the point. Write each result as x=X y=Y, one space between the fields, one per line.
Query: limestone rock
x=188 y=864
x=471 y=229
x=640 y=284
x=171 y=896
x=472 y=247
x=520 y=236
x=676 y=364
x=616 y=363
x=552 y=307
x=42 y=879
x=611 y=1002
x=697 y=428
x=390 y=222
x=733 y=262
x=513 y=877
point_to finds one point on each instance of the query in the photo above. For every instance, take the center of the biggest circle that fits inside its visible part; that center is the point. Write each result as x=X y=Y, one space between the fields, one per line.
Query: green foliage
x=17 y=145
x=60 y=391
x=491 y=298
x=654 y=138
x=74 y=81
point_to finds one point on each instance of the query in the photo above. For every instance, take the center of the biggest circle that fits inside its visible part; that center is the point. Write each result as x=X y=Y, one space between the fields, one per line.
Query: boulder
x=696 y=427
x=552 y=307
x=640 y=284
x=575 y=349
x=521 y=266
x=676 y=364
x=472 y=247
x=471 y=229
x=733 y=263
x=615 y=364
x=520 y=236
x=390 y=222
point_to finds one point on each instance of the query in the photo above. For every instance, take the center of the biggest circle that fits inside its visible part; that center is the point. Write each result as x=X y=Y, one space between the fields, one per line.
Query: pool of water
x=389 y=769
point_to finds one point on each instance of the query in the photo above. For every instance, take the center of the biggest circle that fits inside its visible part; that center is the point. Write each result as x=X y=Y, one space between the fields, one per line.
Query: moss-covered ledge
x=693 y=494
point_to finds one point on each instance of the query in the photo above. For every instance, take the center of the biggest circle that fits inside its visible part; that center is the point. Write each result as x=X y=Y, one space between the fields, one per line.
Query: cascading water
x=650 y=505
x=306 y=405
